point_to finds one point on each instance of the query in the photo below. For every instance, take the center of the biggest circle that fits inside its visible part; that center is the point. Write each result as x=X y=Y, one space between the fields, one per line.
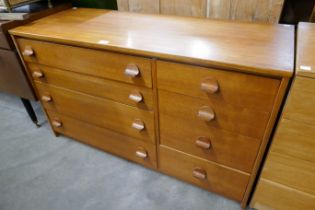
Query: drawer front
x=216 y=145
x=108 y=114
x=118 y=144
x=138 y=96
x=288 y=199
x=296 y=173
x=300 y=104
x=207 y=115
x=295 y=139
x=87 y=61
x=205 y=174
x=241 y=90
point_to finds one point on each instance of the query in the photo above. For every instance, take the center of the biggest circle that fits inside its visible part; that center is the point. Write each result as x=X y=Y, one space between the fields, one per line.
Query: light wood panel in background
x=268 y=11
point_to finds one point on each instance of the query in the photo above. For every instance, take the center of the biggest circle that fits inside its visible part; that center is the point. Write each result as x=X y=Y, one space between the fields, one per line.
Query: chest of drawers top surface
x=254 y=48
x=305 y=62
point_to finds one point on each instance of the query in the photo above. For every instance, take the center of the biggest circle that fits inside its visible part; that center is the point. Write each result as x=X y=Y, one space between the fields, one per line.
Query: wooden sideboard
x=193 y=98
x=289 y=171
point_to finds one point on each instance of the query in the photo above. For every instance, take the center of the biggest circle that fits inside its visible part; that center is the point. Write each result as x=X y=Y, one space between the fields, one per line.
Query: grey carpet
x=41 y=172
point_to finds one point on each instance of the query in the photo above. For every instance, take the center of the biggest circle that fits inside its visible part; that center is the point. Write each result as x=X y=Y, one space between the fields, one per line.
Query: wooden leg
x=30 y=111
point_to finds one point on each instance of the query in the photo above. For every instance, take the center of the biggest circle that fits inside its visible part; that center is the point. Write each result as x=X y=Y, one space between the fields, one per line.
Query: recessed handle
x=206 y=113
x=209 y=85
x=56 y=123
x=199 y=173
x=135 y=96
x=138 y=124
x=132 y=70
x=28 y=51
x=142 y=154
x=203 y=142
x=38 y=74
x=47 y=98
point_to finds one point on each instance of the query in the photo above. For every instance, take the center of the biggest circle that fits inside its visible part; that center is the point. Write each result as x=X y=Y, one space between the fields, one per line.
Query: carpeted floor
x=41 y=172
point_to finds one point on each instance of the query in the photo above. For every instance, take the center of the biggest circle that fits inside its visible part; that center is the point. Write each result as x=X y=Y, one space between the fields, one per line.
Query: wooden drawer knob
x=206 y=113
x=28 y=51
x=209 y=85
x=203 y=142
x=38 y=74
x=136 y=96
x=56 y=124
x=47 y=98
x=132 y=70
x=142 y=154
x=138 y=125
x=199 y=173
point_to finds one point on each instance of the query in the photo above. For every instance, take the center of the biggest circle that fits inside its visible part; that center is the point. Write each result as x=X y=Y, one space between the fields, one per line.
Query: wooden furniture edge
x=266 y=139
x=163 y=56
x=31 y=81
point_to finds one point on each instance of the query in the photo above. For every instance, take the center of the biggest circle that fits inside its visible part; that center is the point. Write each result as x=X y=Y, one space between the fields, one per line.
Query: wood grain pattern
x=95 y=63
x=241 y=10
x=219 y=9
x=144 y=6
x=256 y=48
x=286 y=199
x=195 y=8
x=104 y=139
x=240 y=121
x=100 y=112
x=218 y=179
x=123 y=5
x=93 y=85
x=305 y=63
x=292 y=172
x=240 y=90
x=295 y=139
x=179 y=129
x=300 y=104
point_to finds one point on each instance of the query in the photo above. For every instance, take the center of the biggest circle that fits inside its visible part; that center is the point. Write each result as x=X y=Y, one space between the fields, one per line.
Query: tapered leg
x=30 y=111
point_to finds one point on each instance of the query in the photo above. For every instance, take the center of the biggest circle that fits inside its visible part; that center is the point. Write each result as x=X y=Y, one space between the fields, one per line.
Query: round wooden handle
x=206 y=113
x=209 y=85
x=135 y=96
x=47 y=98
x=138 y=125
x=28 y=51
x=38 y=74
x=142 y=154
x=203 y=142
x=199 y=173
x=132 y=70
x=56 y=123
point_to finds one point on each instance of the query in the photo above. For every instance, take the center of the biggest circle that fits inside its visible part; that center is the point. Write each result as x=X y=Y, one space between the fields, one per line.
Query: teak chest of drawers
x=192 y=98
x=289 y=170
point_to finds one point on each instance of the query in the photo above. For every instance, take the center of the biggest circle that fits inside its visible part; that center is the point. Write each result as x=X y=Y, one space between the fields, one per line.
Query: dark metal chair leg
x=30 y=111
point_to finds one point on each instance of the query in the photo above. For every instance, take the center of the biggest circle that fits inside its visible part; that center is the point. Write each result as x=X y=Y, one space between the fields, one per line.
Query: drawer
x=288 y=199
x=300 y=104
x=121 y=92
x=295 y=139
x=118 y=144
x=241 y=90
x=292 y=172
x=216 y=145
x=206 y=115
x=121 y=67
x=205 y=174
x=108 y=114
